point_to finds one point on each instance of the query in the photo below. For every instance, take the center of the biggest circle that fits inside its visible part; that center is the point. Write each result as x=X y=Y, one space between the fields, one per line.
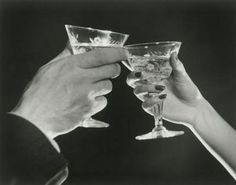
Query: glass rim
x=141 y=45
x=95 y=29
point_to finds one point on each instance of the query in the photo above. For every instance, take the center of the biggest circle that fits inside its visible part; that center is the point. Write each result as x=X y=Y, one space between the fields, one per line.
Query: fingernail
x=162 y=96
x=138 y=74
x=159 y=87
x=145 y=81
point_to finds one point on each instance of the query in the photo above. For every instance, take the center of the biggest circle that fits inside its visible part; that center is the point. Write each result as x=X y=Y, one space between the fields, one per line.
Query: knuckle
x=116 y=70
x=113 y=70
x=108 y=85
x=104 y=87
x=102 y=101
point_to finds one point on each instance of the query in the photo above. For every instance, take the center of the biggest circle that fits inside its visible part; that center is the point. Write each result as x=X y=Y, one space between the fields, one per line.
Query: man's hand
x=69 y=89
x=183 y=97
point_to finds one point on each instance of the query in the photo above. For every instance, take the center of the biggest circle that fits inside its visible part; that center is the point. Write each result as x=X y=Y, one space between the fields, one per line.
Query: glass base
x=92 y=123
x=159 y=132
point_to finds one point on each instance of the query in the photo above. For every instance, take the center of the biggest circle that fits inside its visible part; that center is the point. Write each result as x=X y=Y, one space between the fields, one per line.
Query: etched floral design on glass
x=84 y=39
x=152 y=60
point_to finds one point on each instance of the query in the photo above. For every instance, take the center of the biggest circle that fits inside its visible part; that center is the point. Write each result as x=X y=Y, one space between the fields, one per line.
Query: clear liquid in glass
x=153 y=68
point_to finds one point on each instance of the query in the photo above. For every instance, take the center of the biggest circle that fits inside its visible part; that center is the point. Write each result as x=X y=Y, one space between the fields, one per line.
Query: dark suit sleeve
x=27 y=156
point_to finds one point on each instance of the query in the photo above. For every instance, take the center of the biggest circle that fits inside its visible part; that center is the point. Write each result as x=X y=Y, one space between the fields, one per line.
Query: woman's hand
x=183 y=100
x=184 y=104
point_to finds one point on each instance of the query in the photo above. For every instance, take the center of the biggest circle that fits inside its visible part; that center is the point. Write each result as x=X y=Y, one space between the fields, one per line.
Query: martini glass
x=84 y=39
x=152 y=60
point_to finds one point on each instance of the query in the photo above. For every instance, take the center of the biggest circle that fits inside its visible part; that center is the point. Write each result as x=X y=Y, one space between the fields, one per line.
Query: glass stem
x=157 y=113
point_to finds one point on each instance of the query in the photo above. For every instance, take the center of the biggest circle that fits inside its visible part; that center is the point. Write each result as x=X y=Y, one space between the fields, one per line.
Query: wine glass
x=84 y=39
x=152 y=60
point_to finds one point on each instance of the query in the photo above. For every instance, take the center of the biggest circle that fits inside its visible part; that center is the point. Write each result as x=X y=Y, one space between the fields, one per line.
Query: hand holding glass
x=152 y=60
x=84 y=40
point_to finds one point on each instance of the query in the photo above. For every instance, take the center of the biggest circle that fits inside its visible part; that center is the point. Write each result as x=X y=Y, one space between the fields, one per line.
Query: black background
x=32 y=33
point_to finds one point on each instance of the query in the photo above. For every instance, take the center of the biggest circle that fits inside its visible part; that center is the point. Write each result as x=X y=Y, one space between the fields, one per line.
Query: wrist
x=202 y=112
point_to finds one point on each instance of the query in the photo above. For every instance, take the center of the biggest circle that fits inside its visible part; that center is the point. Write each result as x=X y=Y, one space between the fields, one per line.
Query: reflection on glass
x=83 y=40
x=152 y=60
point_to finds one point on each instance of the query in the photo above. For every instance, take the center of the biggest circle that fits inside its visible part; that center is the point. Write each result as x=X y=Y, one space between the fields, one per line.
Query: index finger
x=99 y=57
x=177 y=66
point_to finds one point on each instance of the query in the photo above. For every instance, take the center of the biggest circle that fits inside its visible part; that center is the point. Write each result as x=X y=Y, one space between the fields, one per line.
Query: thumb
x=178 y=69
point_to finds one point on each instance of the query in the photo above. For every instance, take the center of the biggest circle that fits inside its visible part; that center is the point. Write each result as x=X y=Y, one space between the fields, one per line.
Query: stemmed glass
x=152 y=60
x=83 y=39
